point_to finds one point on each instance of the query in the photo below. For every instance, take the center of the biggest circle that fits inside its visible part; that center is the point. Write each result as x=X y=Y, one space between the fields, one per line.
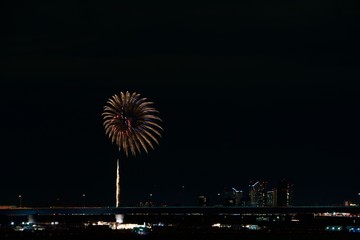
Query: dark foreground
x=220 y=223
x=174 y=234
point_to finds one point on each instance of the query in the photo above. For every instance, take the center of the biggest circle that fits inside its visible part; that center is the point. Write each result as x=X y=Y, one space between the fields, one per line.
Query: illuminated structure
x=233 y=197
x=284 y=193
x=271 y=198
x=260 y=195
x=238 y=195
x=131 y=123
x=257 y=193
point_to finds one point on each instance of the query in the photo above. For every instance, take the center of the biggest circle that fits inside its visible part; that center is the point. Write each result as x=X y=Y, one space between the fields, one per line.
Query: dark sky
x=248 y=91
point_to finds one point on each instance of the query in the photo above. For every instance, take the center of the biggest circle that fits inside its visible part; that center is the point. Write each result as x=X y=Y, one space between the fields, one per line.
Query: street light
x=83 y=196
x=151 y=200
x=20 y=200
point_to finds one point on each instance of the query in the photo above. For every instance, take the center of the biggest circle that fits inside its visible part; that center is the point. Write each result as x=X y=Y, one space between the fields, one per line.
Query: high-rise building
x=257 y=193
x=228 y=197
x=284 y=193
x=238 y=195
x=271 y=198
x=202 y=201
x=233 y=197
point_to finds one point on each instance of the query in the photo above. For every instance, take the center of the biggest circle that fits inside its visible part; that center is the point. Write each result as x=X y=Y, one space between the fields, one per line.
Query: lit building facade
x=258 y=193
x=233 y=197
x=271 y=198
x=284 y=193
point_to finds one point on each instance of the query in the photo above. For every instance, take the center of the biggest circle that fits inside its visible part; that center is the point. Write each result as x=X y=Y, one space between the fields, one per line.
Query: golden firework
x=131 y=122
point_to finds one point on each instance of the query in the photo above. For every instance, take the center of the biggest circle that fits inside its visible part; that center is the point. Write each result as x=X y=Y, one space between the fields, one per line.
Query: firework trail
x=132 y=124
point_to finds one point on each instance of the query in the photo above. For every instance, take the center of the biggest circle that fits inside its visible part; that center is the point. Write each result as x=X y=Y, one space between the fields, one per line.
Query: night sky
x=259 y=90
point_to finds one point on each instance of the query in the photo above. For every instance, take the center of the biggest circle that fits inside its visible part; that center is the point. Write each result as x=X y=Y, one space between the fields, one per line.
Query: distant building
x=260 y=194
x=146 y=204
x=233 y=197
x=271 y=198
x=257 y=193
x=284 y=193
x=238 y=196
x=228 y=197
x=202 y=201
x=349 y=203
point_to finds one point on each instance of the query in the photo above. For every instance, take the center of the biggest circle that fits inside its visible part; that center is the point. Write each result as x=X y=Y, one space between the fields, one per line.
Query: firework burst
x=131 y=122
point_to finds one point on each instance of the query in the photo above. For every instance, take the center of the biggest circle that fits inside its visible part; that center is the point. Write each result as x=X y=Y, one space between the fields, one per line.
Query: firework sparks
x=131 y=122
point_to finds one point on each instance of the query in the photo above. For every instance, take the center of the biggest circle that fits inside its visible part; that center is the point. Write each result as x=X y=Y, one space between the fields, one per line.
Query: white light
x=129 y=226
x=216 y=225
x=119 y=218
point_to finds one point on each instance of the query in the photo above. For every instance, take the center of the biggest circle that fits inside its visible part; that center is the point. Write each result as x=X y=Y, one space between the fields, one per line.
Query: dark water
x=188 y=234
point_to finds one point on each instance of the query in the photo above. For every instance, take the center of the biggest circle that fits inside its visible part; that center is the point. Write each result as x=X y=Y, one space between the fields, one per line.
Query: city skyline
x=227 y=196
x=245 y=92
